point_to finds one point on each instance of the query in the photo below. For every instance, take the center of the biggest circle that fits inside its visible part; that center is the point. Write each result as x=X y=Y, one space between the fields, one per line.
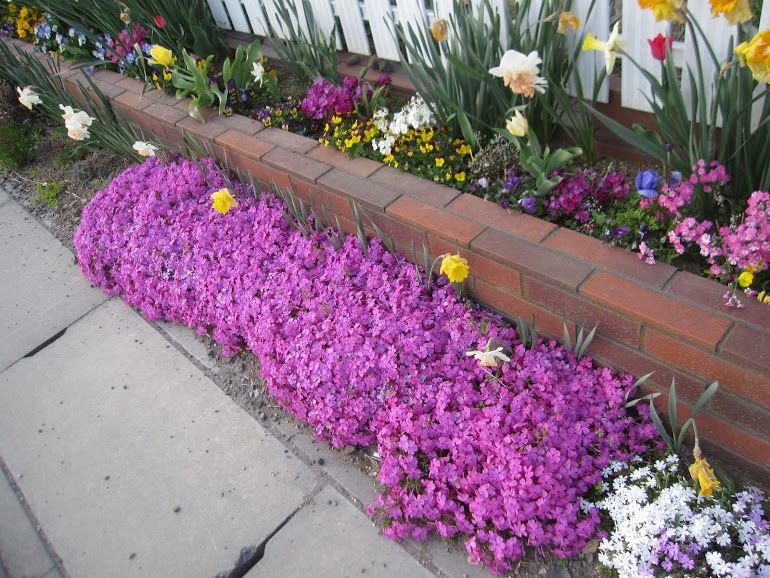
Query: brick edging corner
x=650 y=318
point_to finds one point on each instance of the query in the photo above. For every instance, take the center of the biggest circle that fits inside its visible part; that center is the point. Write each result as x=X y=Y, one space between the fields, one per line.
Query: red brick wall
x=650 y=318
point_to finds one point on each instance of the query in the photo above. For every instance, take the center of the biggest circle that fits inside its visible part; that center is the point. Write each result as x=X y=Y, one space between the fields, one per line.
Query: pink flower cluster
x=709 y=177
x=354 y=346
x=740 y=247
x=325 y=99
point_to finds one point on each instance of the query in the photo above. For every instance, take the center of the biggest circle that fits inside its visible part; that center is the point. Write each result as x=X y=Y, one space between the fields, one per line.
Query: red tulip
x=658 y=46
x=160 y=22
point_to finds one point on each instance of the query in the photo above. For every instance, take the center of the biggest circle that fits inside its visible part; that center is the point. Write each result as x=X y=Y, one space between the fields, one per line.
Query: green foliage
x=308 y=53
x=48 y=193
x=239 y=68
x=541 y=162
x=527 y=332
x=16 y=142
x=192 y=80
x=582 y=341
x=19 y=68
x=189 y=23
x=690 y=137
x=676 y=435
x=452 y=77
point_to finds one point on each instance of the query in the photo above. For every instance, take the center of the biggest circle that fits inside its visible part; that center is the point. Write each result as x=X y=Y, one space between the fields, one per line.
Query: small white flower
x=28 y=97
x=258 y=72
x=489 y=358
x=145 y=149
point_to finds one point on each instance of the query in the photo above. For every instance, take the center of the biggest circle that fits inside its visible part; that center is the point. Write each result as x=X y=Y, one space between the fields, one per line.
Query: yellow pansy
x=745 y=279
x=455 y=268
x=763 y=297
x=223 y=201
x=161 y=55
x=440 y=162
x=460 y=177
x=702 y=473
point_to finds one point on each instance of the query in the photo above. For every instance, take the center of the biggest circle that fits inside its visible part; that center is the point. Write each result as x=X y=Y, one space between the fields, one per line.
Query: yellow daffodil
x=163 y=56
x=455 y=268
x=440 y=30
x=567 y=20
x=702 y=473
x=223 y=201
x=735 y=11
x=517 y=125
x=756 y=54
x=745 y=279
x=610 y=48
x=665 y=9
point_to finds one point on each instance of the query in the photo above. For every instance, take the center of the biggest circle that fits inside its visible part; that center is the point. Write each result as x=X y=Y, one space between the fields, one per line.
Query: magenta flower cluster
x=581 y=192
x=325 y=99
x=355 y=346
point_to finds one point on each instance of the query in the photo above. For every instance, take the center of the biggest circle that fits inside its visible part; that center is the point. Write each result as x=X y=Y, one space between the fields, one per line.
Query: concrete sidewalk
x=122 y=458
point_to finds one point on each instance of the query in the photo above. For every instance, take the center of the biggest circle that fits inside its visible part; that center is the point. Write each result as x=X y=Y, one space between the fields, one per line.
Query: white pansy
x=415 y=115
x=145 y=149
x=28 y=97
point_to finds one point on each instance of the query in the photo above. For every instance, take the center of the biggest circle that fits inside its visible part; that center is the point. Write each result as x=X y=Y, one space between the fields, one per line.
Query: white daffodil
x=488 y=358
x=28 y=97
x=520 y=72
x=145 y=149
x=517 y=125
x=610 y=48
x=258 y=72
x=76 y=122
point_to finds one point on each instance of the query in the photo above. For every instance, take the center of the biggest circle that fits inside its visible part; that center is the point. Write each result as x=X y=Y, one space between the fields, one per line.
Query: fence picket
x=379 y=15
x=638 y=26
x=237 y=16
x=324 y=19
x=220 y=14
x=256 y=17
x=353 y=28
x=597 y=22
x=719 y=34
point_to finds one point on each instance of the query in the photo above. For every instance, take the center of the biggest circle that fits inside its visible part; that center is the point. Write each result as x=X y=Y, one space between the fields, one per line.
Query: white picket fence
x=366 y=27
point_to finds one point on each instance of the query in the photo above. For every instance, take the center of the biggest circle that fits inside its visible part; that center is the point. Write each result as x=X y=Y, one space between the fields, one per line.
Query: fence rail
x=366 y=27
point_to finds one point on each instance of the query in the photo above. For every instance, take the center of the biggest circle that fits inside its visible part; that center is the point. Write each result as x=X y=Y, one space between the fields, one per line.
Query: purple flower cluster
x=354 y=346
x=325 y=99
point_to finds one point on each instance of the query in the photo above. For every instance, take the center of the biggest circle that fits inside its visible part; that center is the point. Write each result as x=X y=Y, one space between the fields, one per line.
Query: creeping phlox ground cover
x=356 y=347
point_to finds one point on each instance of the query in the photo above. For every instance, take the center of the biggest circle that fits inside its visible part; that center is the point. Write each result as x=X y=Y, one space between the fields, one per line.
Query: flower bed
x=649 y=317
x=355 y=346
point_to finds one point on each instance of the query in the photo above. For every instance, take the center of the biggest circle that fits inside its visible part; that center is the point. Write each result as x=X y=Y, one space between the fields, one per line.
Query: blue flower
x=647 y=183
x=529 y=204
x=130 y=57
